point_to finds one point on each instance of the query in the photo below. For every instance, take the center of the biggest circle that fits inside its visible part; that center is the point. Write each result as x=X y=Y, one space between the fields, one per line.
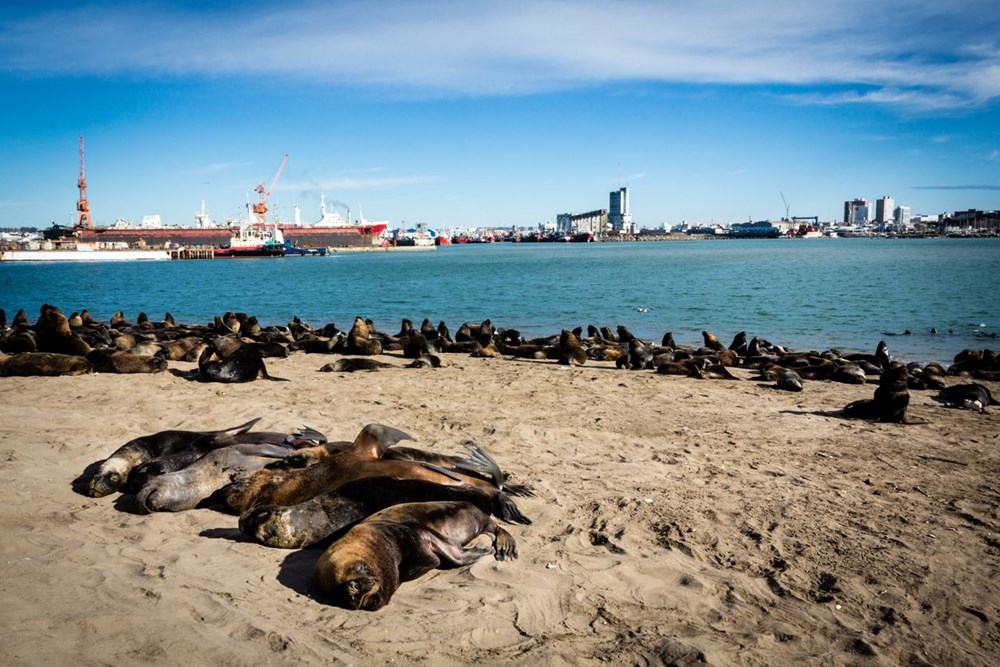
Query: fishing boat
x=253 y=239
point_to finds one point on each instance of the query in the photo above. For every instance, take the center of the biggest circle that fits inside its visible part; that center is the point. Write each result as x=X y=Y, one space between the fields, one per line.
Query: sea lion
x=309 y=522
x=184 y=489
x=363 y=459
x=107 y=361
x=416 y=345
x=244 y=364
x=712 y=342
x=972 y=396
x=359 y=339
x=789 y=380
x=113 y=471
x=365 y=567
x=353 y=364
x=571 y=352
x=25 y=364
x=54 y=334
x=890 y=400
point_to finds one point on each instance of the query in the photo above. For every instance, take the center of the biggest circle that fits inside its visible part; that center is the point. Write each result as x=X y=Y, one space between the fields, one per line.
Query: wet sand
x=676 y=521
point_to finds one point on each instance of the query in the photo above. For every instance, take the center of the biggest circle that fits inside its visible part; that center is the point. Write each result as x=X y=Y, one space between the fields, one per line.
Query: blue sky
x=498 y=114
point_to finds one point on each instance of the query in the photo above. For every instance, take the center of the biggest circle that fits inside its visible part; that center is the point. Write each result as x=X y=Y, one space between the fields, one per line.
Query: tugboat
x=253 y=239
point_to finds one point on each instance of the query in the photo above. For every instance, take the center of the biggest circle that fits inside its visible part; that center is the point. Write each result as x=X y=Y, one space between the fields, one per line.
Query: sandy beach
x=676 y=521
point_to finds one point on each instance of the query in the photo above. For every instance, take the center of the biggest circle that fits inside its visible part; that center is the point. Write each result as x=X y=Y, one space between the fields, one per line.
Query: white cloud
x=893 y=52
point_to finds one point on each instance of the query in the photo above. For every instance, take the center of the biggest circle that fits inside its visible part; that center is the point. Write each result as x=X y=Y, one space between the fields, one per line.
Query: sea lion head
x=360 y=589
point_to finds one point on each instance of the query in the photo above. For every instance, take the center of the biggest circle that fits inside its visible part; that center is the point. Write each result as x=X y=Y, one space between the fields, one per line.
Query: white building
x=857 y=212
x=901 y=217
x=620 y=213
x=884 y=208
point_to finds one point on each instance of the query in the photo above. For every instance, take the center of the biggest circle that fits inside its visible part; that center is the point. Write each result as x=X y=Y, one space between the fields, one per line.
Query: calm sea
x=801 y=293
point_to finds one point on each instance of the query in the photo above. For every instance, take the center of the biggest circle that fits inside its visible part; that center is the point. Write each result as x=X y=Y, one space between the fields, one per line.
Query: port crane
x=260 y=208
x=785 y=202
x=83 y=220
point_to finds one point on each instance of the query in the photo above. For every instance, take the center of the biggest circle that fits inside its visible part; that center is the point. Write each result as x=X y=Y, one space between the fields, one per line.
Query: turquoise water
x=802 y=293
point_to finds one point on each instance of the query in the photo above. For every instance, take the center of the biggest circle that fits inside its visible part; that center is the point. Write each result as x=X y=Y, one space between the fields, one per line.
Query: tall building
x=857 y=212
x=619 y=212
x=901 y=217
x=884 y=208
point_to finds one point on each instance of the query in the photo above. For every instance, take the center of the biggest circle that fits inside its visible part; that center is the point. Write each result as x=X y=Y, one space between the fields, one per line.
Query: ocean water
x=801 y=293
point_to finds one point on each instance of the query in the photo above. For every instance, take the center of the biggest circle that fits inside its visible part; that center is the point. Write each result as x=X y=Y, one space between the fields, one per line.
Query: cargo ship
x=330 y=231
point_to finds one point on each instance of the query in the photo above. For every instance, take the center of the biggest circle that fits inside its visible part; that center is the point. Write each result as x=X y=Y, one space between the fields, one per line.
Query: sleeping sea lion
x=363 y=459
x=108 y=361
x=42 y=363
x=365 y=567
x=184 y=489
x=309 y=522
x=972 y=396
x=353 y=364
x=113 y=472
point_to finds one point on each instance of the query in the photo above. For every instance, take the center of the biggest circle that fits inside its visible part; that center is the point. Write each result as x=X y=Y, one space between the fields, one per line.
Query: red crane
x=83 y=220
x=260 y=208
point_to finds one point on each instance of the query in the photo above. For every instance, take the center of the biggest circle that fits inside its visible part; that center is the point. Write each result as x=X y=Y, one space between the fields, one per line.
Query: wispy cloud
x=357 y=183
x=217 y=167
x=933 y=56
x=956 y=187
x=995 y=154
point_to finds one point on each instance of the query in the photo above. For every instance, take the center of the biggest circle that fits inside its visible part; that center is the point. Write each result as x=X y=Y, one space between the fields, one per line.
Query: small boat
x=253 y=239
x=292 y=250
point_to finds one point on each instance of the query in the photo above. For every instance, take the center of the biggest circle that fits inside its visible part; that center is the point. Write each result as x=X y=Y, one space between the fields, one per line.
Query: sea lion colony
x=234 y=347
x=406 y=510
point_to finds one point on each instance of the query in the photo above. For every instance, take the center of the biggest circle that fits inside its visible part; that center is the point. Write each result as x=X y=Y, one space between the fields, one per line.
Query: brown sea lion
x=363 y=459
x=365 y=567
x=359 y=340
x=571 y=352
x=309 y=522
x=25 y=364
x=107 y=361
x=712 y=342
x=113 y=471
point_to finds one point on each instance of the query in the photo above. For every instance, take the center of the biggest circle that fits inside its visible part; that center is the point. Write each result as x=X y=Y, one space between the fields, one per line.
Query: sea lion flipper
x=242 y=428
x=505 y=510
x=504 y=546
x=480 y=461
x=375 y=439
x=309 y=433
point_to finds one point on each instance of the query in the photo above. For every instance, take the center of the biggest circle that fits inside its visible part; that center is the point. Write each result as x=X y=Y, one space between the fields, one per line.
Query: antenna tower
x=83 y=220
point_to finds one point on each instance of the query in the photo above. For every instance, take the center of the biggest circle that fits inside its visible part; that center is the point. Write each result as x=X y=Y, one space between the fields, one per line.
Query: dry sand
x=676 y=521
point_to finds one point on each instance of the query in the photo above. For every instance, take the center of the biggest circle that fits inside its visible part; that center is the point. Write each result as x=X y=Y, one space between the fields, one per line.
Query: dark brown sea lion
x=245 y=364
x=972 y=396
x=890 y=400
x=353 y=364
x=789 y=380
x=416 y=345
x=42 y=363
x=113 y=472
x=54 y=334
x=365 y=567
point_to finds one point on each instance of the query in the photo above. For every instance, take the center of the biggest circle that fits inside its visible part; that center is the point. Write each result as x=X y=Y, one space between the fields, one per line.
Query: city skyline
x=481 y=114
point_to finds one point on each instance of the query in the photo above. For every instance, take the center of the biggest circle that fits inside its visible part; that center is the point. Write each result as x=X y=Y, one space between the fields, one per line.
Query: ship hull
x=303 y=237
